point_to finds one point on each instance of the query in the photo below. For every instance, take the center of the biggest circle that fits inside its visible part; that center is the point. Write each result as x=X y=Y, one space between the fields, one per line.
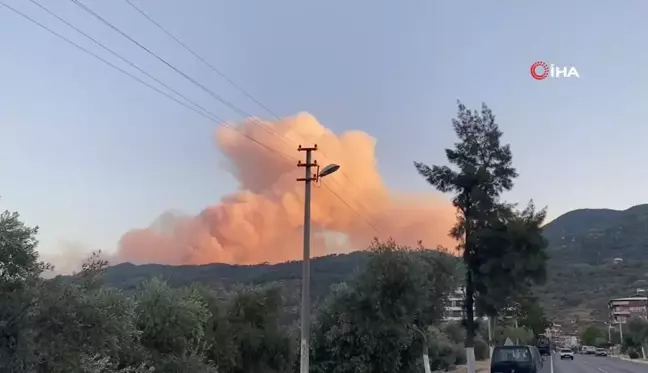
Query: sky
x=89 y=153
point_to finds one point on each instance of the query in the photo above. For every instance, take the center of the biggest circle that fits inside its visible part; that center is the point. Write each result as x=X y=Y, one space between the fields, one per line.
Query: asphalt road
x=593 y=364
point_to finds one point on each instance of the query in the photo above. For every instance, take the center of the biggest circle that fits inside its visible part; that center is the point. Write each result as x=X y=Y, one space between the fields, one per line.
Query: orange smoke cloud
x=263 y=221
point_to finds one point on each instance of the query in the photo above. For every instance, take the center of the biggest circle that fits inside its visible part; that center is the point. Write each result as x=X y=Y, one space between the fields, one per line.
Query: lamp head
x=329 y=169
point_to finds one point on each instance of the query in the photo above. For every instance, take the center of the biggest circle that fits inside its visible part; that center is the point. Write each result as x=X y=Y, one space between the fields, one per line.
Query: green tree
x=531 y=314
x=487 y=229
x=19 y=264
x=173 y=327
x=443 y=351
x=59 y=325
x=20 y=271
x=371 y=323
x=517 y=335
x=635 y=333
x=71 y=324
x=248 y=337
x=512 y=260
x=590 y=335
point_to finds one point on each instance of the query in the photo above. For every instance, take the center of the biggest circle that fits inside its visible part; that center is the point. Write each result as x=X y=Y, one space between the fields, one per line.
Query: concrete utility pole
x=621 y=332
x=491 y=345
x=609 y=332
x=424 y=342
x=308 y=178
x=305 y=301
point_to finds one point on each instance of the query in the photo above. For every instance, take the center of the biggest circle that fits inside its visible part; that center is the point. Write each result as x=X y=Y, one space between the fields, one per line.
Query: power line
x=100 y=58
x=174 y=68
x=186 y=76
x=204 y=113
x=215 y=120
x=212 y=115
x=202 y=59
x=177 y=70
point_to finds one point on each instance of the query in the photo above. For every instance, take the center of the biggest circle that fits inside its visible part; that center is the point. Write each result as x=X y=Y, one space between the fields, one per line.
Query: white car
x=566 y=354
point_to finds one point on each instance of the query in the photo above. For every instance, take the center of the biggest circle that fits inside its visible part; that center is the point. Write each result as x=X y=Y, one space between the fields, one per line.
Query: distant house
x=623 y=309
x=454 y=310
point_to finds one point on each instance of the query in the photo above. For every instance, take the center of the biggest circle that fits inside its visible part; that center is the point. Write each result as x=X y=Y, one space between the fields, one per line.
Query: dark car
x=516 y=359
x=544 y=345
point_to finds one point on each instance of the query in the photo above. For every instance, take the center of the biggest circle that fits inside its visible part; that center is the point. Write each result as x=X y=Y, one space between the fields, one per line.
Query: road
x=593 y=364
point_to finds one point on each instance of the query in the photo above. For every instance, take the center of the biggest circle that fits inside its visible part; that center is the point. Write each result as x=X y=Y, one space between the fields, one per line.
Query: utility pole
x=424 y=343
x=621 y=332
x=305 y=301
x=491 y=345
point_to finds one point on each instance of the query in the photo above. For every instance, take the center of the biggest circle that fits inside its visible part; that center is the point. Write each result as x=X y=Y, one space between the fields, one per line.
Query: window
x=512 y=354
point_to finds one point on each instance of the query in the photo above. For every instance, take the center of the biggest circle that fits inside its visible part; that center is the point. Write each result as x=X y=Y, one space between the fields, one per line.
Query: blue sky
x=89 y=153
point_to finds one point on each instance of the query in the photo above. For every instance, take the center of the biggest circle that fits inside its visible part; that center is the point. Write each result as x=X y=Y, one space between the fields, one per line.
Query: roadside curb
x=637 y=361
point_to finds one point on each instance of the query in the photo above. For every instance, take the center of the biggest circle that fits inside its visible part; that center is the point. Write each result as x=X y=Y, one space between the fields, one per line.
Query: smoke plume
x=263 y=220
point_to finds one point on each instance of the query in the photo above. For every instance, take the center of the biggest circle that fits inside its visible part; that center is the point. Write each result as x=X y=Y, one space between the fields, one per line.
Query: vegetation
x=374 y=322
x=502 y=249
x=577 y=290
x=593 y=336
x=400 y=289
x=635 y=337
x=583 y=275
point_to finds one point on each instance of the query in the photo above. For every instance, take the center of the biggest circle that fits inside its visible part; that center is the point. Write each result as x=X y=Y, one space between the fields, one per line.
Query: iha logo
x=541 y=70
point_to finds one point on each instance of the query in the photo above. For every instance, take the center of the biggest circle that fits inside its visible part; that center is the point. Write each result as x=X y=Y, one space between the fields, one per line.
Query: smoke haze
x=263 y=220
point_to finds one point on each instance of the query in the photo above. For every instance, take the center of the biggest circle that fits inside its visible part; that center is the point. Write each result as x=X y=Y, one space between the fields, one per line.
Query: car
x=600 y=352
x=544 y=345
x=516 y=359
x=566 y=354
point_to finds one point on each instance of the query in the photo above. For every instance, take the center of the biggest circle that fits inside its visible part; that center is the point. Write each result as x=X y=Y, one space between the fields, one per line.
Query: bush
x=481 y=349
x=442 y=351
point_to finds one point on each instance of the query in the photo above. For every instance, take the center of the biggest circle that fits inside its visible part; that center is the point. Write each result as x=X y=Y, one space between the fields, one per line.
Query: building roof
x=628 y=299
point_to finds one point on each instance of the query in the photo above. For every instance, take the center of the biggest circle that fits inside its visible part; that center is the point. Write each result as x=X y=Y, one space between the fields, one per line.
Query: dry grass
x=480 y=367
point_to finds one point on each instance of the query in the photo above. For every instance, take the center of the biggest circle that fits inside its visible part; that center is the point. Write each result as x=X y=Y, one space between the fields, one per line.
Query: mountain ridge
x=582 y=274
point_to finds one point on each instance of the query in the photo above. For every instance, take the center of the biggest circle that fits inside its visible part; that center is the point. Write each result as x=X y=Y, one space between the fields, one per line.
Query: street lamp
x=305 y=303
x=329 y=169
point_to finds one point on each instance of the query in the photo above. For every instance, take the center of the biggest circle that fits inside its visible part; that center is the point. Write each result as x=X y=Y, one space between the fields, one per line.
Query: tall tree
x=20 y=271
x=590 y=335
x=510 y=261
x=531 y=314
x=19 y=262
x=483 y=170
x=376 y=322
x=250 y=338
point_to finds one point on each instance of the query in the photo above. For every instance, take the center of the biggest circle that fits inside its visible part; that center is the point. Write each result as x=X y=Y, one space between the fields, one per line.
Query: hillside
x=582 y=275
x=325 y=272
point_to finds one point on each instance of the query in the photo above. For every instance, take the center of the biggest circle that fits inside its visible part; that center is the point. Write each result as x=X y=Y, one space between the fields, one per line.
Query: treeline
x=633 y=341
x=77 y=324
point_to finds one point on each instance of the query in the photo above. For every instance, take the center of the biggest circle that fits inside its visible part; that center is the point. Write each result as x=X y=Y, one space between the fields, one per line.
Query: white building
x=454 y=310
x=568 y=341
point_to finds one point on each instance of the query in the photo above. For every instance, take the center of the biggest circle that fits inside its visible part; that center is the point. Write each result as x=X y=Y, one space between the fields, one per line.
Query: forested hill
x=582 y=275
x=325 y=271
